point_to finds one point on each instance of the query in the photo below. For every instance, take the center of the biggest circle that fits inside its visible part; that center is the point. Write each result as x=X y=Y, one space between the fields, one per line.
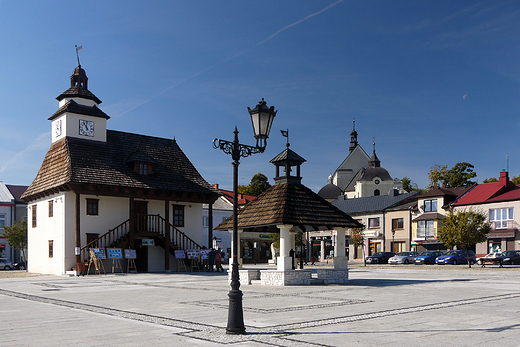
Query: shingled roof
x=86 y=164
x=292 y=204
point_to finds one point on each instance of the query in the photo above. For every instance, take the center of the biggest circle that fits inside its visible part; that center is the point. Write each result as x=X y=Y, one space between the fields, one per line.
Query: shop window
x=397 y=223
x=51 y=208
x=373 y=223
x=178 y=215
x=92 y=207
x=33 y=210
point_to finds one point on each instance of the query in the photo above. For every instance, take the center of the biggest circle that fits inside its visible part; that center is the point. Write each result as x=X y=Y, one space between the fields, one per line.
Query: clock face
x=57 y=128
x=86 y=127
x=376 y=181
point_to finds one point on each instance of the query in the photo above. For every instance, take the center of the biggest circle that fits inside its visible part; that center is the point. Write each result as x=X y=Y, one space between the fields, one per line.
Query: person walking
x=218 y=261
x=211 y=259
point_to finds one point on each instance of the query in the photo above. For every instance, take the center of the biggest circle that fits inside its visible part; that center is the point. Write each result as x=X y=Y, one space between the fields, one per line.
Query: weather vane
x=285 y=133
x=78 y=48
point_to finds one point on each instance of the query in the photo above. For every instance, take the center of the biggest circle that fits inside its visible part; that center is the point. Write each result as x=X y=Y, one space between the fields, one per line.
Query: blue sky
x=433 y=82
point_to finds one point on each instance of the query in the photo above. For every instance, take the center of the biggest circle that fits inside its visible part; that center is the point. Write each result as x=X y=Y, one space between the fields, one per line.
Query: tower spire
x=353 y=137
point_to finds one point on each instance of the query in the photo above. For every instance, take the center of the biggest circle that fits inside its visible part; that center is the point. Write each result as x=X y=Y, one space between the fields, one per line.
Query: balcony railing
x=500 y=225
x=426 y=233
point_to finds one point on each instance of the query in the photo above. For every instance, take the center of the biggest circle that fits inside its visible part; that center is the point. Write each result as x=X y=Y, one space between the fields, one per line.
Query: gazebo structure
x=289 y=207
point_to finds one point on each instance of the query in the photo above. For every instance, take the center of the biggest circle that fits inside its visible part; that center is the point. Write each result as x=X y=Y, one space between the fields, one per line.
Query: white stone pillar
x=322 y=250
x=284 y=260
x=239 y=250
x=340 y=260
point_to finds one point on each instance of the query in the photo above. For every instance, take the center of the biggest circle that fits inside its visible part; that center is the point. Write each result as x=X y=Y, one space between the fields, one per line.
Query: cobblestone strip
x=387 y=313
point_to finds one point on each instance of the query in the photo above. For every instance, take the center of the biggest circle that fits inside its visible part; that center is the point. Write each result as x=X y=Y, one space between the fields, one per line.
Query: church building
x=359 y=176
x=100 y=188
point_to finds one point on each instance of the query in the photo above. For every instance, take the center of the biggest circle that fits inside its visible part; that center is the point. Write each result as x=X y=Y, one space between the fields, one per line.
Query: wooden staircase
x=146 y=226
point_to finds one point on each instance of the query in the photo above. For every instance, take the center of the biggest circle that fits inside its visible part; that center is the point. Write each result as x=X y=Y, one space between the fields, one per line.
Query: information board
x=180 y=254
x=204 y=254
x=193 y=253
x=114 y=253
x=130 y=254
x=148 y=242
x=99 y=253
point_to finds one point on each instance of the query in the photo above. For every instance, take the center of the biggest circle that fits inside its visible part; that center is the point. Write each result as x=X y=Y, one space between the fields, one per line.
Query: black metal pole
x=235 y=312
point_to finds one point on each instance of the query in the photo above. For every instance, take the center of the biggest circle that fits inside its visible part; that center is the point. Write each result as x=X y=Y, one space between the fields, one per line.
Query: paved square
x=412 y=305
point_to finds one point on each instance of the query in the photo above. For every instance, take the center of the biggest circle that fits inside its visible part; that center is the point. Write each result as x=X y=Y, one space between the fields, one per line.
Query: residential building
x=500 y=201
x=426 y=218
x=371 y=212
x=100 y=188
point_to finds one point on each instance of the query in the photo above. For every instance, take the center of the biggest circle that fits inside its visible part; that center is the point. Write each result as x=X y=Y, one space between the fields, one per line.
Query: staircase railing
x=150 y=224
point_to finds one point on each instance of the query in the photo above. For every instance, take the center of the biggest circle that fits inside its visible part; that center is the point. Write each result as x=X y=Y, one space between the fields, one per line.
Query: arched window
x=376 y=192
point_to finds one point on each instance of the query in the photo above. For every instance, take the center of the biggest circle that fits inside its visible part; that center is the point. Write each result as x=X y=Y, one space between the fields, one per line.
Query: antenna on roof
x=507 y=162
x=78 y=48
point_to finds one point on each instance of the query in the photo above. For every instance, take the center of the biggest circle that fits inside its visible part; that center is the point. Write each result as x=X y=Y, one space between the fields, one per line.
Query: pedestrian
x=218 y=261
x=211 y=259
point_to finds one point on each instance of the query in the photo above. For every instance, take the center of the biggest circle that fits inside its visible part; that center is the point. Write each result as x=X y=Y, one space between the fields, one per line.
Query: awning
x=502 y=234
x=428 y=216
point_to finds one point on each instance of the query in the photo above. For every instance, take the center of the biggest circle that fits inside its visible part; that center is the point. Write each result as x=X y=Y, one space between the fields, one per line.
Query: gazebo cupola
x=287 y=160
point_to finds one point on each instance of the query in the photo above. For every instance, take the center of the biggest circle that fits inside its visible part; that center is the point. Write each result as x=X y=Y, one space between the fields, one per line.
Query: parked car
x=403 y=258
x=5 y=264
x=493 y=258
x=457 y=257
x=428 y=257
x=511 y=257
x=379 y=258
x=20 y=266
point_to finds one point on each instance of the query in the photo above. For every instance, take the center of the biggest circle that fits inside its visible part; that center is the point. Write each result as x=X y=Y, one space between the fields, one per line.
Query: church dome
x=330 y=192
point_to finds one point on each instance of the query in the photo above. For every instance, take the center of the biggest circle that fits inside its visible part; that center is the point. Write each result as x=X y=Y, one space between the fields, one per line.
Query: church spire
x=374 y=160
x=353 y=137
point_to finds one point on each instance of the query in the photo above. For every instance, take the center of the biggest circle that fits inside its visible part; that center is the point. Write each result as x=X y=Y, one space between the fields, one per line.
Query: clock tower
x=78 y=114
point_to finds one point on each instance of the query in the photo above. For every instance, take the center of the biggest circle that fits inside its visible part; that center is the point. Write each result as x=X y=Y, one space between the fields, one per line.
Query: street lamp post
x=393 y=236
x=262 y=118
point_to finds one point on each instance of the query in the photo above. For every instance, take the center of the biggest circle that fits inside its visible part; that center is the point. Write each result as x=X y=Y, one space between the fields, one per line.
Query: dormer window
x=143 y=168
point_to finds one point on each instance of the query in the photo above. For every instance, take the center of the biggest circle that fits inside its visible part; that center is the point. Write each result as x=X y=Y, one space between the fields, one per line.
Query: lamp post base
x=235 y=314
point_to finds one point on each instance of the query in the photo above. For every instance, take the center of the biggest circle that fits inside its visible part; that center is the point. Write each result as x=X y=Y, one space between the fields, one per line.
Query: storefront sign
x=501 y=234
x=148 y=242
x=265 y=236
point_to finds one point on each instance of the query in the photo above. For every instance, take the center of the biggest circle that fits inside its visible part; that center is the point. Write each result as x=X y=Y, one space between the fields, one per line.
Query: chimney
x=215 y=186
x=504 y=179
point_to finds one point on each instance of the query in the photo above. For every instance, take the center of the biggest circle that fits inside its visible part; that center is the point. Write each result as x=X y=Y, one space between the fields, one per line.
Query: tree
x=411 y=187
x=259 y=184
x=464 y=229
x=438 y=176
x=516 y=180
x=16 y=236
x=358 y=239
x=459 y=175
x=489 y=180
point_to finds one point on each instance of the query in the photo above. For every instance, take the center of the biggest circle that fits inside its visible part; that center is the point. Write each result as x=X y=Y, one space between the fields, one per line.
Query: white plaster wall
x=47 y=228
x=156 y=258
x=192 y=220
x=70 y=127
x=81 y=101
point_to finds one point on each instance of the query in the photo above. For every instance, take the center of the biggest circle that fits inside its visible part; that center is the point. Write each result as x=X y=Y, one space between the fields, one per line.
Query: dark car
x=20 y=266
x=457 y=257
x=428 y=257
x=511 y=257
x=379 y=258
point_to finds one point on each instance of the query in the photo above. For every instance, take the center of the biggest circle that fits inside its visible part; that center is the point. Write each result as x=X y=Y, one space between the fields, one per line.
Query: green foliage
x=16 y=236
x=276 y=239
x=464 y=229
x=259 y=183
x=489 y=180
x=411 y=187
x=516 y=180
x=459 y=175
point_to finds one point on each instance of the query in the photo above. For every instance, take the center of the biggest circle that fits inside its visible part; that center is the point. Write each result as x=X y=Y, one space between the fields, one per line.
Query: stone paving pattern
x=394 y=305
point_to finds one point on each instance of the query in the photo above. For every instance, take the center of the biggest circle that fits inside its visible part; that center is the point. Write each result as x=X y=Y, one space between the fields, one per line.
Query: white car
x=5 y=264
x=403 y=258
